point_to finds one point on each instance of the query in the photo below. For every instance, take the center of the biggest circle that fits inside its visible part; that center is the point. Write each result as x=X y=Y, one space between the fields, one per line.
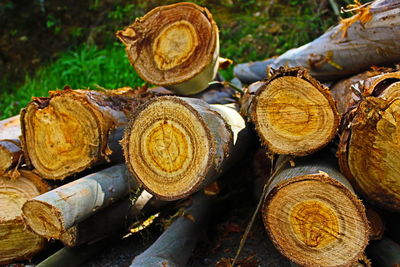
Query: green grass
x=84 y=67
x=249 y=30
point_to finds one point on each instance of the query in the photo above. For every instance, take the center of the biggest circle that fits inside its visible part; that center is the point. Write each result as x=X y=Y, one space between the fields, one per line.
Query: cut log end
x=375 y=142
x=42 y=219
x=315 y=220
x=66 y=130
x=10 y=153
x=168 y=147
x=17 y=243
x=173 y=44
x=293 y=116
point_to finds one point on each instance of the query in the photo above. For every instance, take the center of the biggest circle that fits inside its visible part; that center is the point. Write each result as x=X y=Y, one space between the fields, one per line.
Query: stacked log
x=174 y=46
x=17 y=243
x=369 y=141
x=312 y=214
x=73 y=130
x=51 y=214
x=292 y=112
x=368 y=38
x=10 y=154
x=175 y=146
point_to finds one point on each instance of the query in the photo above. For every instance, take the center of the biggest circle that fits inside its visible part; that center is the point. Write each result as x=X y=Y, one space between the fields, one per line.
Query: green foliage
x=85 y=67
x=249 y=30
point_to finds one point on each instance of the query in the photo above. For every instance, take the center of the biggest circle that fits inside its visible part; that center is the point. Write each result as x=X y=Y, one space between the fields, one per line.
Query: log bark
x=110 y=222
x=10 y=154
x=10 y=128
x=74 y=257
x=369 y=142
x=175 y=246
x=384 y=253
x=16 y=242
x=73 y=130
x=312 y=215
x=51 y=214
x=354 y=45
x=175 y=146
x=175 y=46
x=292 y=112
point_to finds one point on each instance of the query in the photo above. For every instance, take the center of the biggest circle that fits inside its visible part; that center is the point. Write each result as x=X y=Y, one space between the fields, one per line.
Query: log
x=384 y=253
x=10 y=128
x=10 y=154
x=110 y=222
x=174 y=46
x=16 y=242
x=376 y=223
x=312 y=215
x=73 y=130
x=174 y=146
x=175 y=246
x=74 y=257
x=292 y=112
x=368 y=149
x=51 y=214
x=354 y=45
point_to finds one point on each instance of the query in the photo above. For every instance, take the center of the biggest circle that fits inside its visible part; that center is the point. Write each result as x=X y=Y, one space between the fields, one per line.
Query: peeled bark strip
x=10 y=128
x=312 y=215
x=175 y=146
x=292 y=112
x=354 y=45
x=73 y=130
x=16 y=242
x=52 y=214
x=109 y=222
x=174 y=46
x=175 y=246
x=369 y=144
x=10 y=154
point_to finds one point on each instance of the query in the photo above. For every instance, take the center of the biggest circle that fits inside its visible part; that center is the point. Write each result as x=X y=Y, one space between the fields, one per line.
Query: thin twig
x=274 y=171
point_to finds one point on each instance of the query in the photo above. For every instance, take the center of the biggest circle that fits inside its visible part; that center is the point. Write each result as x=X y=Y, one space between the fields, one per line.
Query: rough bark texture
x=384 y=253
x=110 y=222
x=175 y=146
x=175 y=46
x=53 y=213
x=292 y=112
x=73 y=130
x=369 y=143
x=10 y=128
x=175 y=246
x=10 y=154
x=354 y=45
x=16 y=242
x=312 y=215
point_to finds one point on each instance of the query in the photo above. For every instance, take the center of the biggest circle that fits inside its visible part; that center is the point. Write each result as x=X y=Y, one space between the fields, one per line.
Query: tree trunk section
x=109 y=222
x=16 y=242
x=10 y=154
x=175 y=146
x=51 y=214
x=73 y=130
x=10 y=128
x=175 y=46
x=175 y=246
x=368 y=38
x=292 y=112
x=369 y=143
x=312 y=215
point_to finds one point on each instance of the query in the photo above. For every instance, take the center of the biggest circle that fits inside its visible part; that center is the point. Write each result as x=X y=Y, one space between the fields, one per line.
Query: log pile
x=109 y=155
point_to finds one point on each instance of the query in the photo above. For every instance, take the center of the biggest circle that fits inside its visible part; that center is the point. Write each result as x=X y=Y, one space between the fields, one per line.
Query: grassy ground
x=249 y=30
